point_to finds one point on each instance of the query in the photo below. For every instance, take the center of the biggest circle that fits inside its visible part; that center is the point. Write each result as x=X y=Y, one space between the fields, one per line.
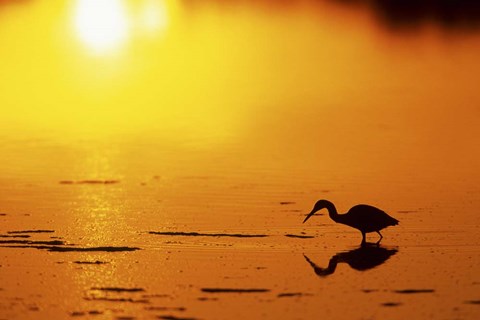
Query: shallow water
x=158 y=161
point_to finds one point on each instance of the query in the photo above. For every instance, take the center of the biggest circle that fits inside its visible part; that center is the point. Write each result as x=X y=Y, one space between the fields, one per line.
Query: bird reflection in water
x=367 y=256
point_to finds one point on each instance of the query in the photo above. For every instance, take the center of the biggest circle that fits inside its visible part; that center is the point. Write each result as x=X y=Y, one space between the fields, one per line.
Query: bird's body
x=362 y=217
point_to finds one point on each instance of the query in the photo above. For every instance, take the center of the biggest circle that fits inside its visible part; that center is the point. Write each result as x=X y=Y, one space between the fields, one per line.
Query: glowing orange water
x=226 y=119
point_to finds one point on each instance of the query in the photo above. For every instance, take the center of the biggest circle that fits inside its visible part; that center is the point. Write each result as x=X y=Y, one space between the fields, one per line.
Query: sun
x=101 y=25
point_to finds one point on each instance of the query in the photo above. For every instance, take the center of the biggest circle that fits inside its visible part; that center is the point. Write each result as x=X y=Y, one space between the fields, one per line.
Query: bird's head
x=321 y=204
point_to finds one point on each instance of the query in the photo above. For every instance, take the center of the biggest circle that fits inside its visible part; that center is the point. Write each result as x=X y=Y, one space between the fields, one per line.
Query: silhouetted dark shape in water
x=396 y=15
x=363 y=258
x=401 y=14
x=362 y=217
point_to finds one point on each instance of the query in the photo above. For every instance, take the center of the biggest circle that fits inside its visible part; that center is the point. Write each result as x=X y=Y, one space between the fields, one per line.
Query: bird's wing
x=369 y=216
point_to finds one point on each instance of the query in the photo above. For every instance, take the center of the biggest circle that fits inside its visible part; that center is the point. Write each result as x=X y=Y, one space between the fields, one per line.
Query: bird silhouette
x=362 y=217
x=362 y=259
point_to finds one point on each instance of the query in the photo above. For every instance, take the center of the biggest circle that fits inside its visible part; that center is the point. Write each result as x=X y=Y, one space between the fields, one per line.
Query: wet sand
x=130 y=189
x=417 y=269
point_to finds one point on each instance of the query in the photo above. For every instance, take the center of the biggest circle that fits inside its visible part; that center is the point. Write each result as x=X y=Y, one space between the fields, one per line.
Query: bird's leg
x=381 y=237
x=364 y=240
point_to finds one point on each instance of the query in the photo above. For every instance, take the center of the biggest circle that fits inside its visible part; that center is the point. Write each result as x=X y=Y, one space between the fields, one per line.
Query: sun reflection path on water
x=99 y=210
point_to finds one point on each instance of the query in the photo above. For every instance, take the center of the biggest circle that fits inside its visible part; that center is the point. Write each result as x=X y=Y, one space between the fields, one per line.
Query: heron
x=363 y=217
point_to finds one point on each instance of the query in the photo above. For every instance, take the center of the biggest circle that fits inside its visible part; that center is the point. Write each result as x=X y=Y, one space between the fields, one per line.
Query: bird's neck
x=332 y=212
x=332 y=265
x=323 y=272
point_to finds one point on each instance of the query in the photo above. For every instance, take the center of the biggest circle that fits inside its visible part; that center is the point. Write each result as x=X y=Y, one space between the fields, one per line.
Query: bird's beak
x=308 y=216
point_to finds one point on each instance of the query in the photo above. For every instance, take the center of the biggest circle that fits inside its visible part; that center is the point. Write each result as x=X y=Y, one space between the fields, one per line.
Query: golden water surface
x=126 y=123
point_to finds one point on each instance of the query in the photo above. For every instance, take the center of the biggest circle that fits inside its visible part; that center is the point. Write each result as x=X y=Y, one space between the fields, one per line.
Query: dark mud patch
x=118 y=289
x=33 y=242
x=101 y=249
x=170 y=317
x=198 y=234
x=234 y=290
x=369 y=290
x=206 y=299
x=33 y=308
x=89 y=182
x=153 y=308
x=86 y=313
x=407 y=211
x=284 y=203
x=391 y=304
x=413 y=291
x=90 y=262
x=24 y=236
x=292 y=294
x=473 y=302
x=129 y=300
x=125 y=318
x=3 y=214
x=300 y=236
x=75 y=249
x=30 y=231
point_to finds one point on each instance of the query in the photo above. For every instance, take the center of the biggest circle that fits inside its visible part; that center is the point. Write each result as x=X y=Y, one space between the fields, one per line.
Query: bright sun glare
x=102 y=25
